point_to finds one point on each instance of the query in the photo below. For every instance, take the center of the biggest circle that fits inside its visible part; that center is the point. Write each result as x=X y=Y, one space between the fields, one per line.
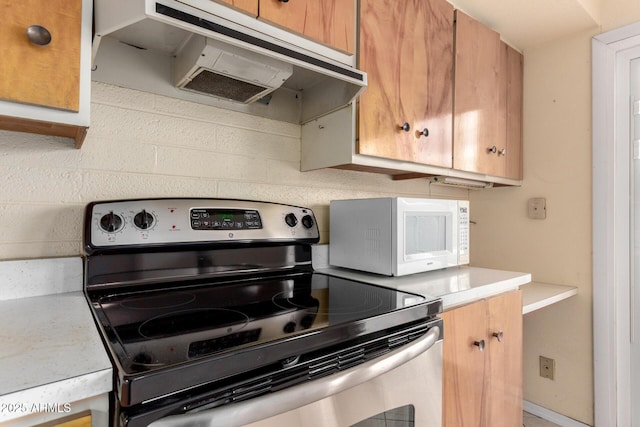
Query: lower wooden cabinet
x=84 y=421
x=482 y=363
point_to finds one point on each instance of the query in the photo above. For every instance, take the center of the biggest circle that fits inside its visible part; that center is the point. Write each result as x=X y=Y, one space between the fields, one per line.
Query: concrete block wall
x=144 y=145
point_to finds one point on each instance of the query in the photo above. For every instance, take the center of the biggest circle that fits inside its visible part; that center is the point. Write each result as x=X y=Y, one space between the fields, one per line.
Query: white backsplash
x=36 y=277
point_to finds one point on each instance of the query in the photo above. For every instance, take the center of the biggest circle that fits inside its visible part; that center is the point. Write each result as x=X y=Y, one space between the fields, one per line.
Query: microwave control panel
x=463 y=231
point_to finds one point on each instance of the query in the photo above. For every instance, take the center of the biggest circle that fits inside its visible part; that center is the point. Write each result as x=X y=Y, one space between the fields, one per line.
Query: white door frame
x=612 y=53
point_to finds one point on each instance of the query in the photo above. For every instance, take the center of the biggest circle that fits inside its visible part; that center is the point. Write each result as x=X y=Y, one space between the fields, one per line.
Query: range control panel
x=225 y=219
x=110 y=224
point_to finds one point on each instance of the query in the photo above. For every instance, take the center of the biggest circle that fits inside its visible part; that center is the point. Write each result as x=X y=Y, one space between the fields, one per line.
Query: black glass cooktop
x=154 y=330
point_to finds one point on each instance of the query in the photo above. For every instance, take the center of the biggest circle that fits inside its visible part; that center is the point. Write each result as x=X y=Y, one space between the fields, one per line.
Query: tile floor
x=533 y=421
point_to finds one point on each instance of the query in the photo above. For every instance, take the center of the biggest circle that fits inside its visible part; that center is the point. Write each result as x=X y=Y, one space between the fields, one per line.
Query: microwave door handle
x=241 y=413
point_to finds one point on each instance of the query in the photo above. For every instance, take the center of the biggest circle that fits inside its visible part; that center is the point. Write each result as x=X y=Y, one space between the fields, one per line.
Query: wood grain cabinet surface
x=84 y=421
x=487 y=115
x=248 y=6
x=40 y=74
x=514 y=87
x=482 y=363
x=406 y=48
x=330 y=22
x=47 y=75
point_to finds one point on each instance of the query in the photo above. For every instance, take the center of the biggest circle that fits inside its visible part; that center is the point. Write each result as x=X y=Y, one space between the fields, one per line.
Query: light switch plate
x=537 y=208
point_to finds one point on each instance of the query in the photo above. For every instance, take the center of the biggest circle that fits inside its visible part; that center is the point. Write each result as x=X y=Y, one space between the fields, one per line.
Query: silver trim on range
x=259 y=408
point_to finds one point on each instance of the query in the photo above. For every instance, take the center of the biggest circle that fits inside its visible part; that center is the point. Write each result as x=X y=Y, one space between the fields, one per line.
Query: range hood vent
x=214 y=51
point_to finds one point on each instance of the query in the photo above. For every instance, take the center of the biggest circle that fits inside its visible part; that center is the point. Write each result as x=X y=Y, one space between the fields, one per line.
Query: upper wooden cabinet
x=35 y=69
x=487 y=113
x=482 y=363
x=406 y=49
x=41 y=48
x=247 y=6
x=330 y=22
x=514 y=87
x=428 y=69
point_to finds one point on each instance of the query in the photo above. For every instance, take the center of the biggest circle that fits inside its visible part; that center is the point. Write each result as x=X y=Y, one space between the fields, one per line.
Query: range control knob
x=307 y=221
x=291 y=220
x=143 y=220
x=289 y=327
x=111 y=222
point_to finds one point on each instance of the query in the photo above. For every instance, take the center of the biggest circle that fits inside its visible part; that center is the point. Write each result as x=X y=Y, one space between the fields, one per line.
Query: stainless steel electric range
x=204 y=304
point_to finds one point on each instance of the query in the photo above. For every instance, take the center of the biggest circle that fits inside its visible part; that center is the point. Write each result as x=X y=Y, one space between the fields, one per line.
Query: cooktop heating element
x=207 y=302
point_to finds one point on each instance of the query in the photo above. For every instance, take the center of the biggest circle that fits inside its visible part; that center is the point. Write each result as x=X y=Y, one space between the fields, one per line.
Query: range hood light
x=460 y=182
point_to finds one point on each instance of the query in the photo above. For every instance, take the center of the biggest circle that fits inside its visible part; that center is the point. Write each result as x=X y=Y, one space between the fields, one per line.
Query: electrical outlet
x=537 y=208
x=547 y=368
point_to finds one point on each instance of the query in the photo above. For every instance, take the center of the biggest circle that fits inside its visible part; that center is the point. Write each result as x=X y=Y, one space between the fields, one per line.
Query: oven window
x=403 y=416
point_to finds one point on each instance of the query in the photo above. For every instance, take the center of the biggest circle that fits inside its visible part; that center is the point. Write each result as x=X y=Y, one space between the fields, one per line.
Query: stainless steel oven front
x=403 y=389
x=213 y=316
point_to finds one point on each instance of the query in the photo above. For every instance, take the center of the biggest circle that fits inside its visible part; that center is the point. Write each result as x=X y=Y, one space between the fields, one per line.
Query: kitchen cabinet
x=330 y=22
x=407 y=52
x=76 y=421
x=458 y=80
x=482 y=363
x=487 y=115
x=514 y=87
x=248 y=6
x=45 y=48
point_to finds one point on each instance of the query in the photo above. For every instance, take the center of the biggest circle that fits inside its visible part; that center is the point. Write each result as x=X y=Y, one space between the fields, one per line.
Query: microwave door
x=427 y=238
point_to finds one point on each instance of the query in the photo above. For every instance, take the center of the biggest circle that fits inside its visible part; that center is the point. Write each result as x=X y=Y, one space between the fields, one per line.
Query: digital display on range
x=225 y=219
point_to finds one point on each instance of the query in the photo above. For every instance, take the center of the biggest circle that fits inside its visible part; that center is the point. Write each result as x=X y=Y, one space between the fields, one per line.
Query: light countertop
x=455 y=286
x=50 y=349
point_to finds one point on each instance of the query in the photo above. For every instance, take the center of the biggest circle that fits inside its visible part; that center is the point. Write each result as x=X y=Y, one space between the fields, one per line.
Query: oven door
x=403 y=387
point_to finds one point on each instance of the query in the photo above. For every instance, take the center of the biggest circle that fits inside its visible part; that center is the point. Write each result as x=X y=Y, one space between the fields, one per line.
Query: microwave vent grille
x=372 y=242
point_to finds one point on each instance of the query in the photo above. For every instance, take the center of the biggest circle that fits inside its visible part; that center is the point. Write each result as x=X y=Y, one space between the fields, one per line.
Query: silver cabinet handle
x=38 y=35
x=479 y=344
x=499 y=336
x=405 y=127
x=269 y=405
x=424 y=132
x=493 y=149
x=502 y=152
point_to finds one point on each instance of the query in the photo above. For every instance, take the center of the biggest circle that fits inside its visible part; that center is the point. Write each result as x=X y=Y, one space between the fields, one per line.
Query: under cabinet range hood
x=206 y=52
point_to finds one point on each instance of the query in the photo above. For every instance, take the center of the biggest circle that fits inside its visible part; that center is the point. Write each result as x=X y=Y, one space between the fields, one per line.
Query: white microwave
x=396 y=236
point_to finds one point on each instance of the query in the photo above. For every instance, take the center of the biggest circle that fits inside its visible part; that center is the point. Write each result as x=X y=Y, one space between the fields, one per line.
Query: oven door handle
x=241 y=413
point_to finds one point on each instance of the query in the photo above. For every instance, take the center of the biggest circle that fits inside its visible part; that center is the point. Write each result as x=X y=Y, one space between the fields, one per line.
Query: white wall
x=143 y=145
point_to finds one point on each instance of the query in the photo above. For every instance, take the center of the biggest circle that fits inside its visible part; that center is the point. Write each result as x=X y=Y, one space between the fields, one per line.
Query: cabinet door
x=331 y=22
x=84 y=421
x=464 y=365
x=514 y=87
x=248 y=6
x=504 y=408
x=42 y=75
x=432 y=87
x=406 y=50
x=479 y=99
